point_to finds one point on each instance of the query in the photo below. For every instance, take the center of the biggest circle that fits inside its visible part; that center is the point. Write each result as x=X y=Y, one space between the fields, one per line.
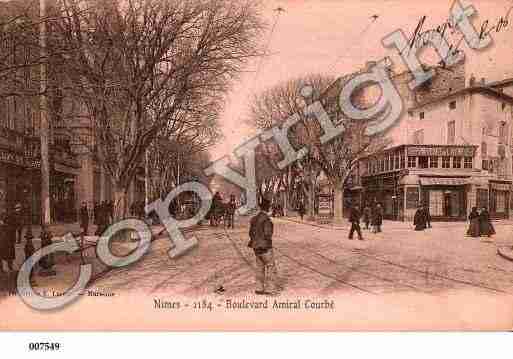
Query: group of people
x=11 y=230
x=103 y=215
x=220 y=210
x=480 y=223
x=371 y=216
x=137 y=209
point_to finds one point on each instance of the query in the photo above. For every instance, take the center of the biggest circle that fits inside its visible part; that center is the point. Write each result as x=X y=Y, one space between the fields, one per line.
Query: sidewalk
x=67 y=267
x=388 y=224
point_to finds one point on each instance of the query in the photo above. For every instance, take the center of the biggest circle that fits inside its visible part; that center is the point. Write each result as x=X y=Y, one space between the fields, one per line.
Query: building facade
x=76 y=175
x=451 y=150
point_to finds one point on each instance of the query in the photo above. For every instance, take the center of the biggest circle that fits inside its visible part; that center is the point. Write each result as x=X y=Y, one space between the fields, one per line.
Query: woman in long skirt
x=473 y=217
x=485 y=225
x=8 y=241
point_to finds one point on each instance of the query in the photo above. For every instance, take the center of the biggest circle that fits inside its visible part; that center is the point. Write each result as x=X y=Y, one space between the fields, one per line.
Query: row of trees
x=149 y=75
x=336 y=159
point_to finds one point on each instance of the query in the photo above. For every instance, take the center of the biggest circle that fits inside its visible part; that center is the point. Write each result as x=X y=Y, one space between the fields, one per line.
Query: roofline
x=484 y=90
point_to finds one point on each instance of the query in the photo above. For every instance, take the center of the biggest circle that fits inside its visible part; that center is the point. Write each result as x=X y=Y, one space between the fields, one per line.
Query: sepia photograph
x=267 y=166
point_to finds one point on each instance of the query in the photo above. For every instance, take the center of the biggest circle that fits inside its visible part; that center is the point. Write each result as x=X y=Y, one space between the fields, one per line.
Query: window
x=456 y=162
x=503 y=106
x=412 y=161
x=418 y=137
x=485 y=165
x=10 y=112
x=468 y=162
x=397 y=162
x=446 y=162
x=421 y=115
x=484 y=149
x=502 y=133
x=423 y=162
x=451 y=132
x=452 y=105
x=402 y=160
x=433 y=162
x=387 y=162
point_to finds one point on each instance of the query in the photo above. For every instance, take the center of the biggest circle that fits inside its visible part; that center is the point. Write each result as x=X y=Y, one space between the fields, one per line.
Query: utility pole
x=146 y=178
x=45 y=126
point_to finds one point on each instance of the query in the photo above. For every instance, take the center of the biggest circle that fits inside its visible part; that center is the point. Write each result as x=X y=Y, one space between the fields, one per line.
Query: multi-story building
x=76 y=175
x=451 y=150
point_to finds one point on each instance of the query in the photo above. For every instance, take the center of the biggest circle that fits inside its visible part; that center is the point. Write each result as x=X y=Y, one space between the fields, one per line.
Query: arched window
x=484 y=149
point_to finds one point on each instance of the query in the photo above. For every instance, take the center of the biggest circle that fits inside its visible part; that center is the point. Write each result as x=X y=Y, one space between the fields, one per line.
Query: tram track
x=424 y=273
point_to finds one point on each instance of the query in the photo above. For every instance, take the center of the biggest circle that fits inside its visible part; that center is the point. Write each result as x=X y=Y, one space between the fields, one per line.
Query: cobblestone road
x=323 y=261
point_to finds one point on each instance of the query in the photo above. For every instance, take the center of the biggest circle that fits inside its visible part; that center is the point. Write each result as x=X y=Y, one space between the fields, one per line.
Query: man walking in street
x=261 y=234
x=377 y=218
x=84 y=218
x=367 y=214
x=354 y=218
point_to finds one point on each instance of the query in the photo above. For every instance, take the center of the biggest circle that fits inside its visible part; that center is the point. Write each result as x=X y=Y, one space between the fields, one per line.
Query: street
x=322 y=261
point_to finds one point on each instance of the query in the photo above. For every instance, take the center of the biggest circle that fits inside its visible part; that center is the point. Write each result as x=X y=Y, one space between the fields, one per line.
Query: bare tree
x=140 y=66
x=336 y=158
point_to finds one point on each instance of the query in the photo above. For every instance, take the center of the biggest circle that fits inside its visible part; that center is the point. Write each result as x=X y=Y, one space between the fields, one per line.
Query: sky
x=336 y=37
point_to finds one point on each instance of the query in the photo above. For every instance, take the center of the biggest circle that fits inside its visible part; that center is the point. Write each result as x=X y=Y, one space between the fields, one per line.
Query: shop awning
x=436 y=181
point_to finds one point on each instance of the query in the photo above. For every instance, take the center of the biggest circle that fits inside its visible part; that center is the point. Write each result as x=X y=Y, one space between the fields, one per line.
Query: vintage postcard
x=277 y=165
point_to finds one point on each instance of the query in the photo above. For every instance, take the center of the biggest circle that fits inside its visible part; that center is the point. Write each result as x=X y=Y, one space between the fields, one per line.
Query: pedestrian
x=301 y=208
x=17 y=221
x=261 y=234
x=29 y=252
x=485 y=224
x=428 y=216
x=354 y=218
x=473 y=229
x=101 y=221
x=377 y=219
x=367 y=213
x=84 y=218
x=47 y=262
x=230 y=211
x=420 y=219
x=7 y=241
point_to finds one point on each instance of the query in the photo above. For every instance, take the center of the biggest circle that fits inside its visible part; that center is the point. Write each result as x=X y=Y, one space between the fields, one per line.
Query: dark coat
x=355 y=216
x=377 y=216
x=367 y=213
x=420 y=219
x=261 y=232
x=8 y=236
x=84 y=216
x=473 y=229
x=485 y=225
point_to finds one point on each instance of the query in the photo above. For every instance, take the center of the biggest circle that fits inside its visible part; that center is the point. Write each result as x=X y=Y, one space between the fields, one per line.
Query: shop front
x=445 y=197
x=499 y=199
x=385 y=190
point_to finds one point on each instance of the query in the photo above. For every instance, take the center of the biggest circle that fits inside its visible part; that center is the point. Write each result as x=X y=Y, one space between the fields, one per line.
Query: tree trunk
x=311 y=200
x=338 y=205
x=120 y=203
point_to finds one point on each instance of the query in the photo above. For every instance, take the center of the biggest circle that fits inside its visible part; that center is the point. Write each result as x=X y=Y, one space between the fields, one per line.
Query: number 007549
x=38 y=346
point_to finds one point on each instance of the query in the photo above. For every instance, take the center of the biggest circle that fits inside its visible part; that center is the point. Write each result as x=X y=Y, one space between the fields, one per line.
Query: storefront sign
x=412 y=197
x=12 y=157
x=441 y=151
x=324 y=205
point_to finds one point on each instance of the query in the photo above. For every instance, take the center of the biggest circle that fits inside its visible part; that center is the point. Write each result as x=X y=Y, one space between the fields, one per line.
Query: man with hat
x=261 y=234
x=17 y=222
